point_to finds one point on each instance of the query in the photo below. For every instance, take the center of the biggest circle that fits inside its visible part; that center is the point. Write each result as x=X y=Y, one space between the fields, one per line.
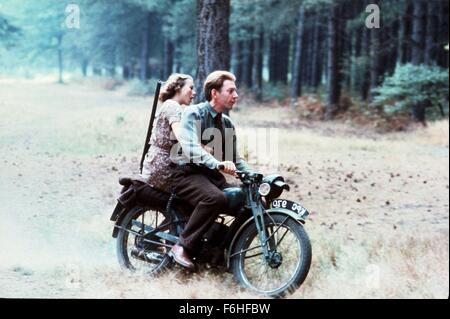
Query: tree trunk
x=442 y=54
x=355 y=78
x=408 y=31
x=365 y=84
x=236 y=59
x=126 y=72
x=430 y=37
x=251 y=61
x=296 y=84
x=111 y=71
x=347 y=48
x=279 y=59
x=273 y=73
x=240 y=60
x=84 y=66
x=213 y=47
x=402 y=38
x=258 y=47
x=168 y=58
x=375 y=59
x=308 y=55
x=283 y=58
x=358 y=42
x=390 y=58
x=334 y=61
x=145 y=52
x=324 y=57
x=97 y=71
x=60 y=59
x=247 y=63
x=110 y=63
x=418 y=31
x=342 y=43
x=317 y=49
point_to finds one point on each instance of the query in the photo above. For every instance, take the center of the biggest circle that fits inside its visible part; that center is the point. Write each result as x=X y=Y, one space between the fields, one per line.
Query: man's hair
x=215 y=81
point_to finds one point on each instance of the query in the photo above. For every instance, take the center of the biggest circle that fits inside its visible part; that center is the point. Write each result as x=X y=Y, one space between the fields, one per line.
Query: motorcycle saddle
x=136 y=191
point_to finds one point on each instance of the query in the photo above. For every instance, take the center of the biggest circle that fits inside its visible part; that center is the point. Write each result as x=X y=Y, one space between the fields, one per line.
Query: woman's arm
x=176 y=129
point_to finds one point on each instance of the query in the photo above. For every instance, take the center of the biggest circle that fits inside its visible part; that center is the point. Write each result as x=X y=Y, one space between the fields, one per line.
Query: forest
x=389 y=54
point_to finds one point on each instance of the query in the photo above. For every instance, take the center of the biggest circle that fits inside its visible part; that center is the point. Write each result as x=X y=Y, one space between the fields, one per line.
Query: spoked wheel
x=139 y=248
x=288 y=262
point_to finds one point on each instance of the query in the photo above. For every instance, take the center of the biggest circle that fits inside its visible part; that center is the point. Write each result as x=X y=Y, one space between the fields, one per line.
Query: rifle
x=150 y=125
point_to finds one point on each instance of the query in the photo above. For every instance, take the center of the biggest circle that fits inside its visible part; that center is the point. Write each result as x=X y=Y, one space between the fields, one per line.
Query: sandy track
x=379 y=224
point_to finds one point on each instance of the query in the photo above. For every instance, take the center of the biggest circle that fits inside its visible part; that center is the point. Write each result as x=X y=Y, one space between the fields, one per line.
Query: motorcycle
x=259 y=238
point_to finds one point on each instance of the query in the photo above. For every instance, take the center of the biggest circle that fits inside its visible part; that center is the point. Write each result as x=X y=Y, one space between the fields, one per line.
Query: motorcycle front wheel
x=288 y=262
x=137 y=248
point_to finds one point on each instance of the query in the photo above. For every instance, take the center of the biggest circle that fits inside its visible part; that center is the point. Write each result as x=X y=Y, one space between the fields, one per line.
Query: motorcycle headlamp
x=274 y=188
x=264 y=189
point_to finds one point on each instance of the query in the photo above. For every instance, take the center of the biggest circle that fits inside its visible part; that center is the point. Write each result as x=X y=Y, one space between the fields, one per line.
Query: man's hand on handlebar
x=227 y=167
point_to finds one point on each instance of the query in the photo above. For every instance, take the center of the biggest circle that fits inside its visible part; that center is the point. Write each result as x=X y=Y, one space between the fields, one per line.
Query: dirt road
x=379 y=225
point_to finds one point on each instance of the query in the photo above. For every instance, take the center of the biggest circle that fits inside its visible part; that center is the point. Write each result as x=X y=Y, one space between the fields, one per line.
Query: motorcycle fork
x=258 y=213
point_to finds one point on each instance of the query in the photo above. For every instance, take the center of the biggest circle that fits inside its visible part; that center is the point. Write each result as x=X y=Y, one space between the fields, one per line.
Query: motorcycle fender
x=297 y=217
x=119 y=214
x=117 y=211
x=272 y=211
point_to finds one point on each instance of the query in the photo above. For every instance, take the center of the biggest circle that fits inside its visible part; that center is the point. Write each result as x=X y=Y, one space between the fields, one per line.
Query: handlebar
x=239 y=173
x=243 y=175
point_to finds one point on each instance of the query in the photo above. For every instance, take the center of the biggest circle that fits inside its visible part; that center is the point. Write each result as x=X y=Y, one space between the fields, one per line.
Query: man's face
x=226 y=97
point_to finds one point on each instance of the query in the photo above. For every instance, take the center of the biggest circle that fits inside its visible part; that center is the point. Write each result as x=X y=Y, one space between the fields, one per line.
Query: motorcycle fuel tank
x=235 y=197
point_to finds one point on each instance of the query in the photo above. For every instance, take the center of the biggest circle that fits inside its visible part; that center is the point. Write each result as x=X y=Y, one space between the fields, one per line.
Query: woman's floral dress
x=156 y=169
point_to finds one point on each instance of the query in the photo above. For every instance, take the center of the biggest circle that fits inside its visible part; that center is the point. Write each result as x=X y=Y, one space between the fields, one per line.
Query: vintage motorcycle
x=259 y=237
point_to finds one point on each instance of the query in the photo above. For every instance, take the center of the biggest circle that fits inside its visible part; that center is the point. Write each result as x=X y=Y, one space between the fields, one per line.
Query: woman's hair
x=215 y=81
x=173 y=85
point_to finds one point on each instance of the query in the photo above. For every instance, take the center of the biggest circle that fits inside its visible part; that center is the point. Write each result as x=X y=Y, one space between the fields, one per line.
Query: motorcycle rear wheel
x=134 y=251
x=290 y=262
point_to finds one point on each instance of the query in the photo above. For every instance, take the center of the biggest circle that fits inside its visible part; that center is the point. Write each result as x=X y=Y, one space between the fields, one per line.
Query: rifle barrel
x=150 y=125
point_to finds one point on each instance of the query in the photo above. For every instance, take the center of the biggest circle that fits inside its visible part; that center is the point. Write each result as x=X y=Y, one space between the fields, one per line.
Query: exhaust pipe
x=147 y=256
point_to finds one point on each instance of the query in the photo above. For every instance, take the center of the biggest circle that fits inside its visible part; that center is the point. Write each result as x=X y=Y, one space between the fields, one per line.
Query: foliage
x=275 y=91
x=180 y=28
x=274 y=17
x=139 y=88
x=113 y=37
x=42 y=32
x=8 y=32
x=413 y=85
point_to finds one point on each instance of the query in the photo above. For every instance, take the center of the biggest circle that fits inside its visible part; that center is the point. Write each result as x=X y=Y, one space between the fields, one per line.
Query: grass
x=395 y=267
x=65 y=140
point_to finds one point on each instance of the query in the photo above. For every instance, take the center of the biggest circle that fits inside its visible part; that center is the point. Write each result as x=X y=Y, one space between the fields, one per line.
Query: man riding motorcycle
x=199 y=181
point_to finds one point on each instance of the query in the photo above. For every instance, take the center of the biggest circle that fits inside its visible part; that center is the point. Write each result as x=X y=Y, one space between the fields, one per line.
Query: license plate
x=290 y=205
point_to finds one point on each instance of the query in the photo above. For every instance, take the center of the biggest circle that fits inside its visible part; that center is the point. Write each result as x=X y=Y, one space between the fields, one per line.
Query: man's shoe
x=178 y=253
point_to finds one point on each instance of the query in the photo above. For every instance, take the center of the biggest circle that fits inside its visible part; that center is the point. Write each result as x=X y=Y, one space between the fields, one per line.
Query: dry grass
x=396 y=267
x=378 y=202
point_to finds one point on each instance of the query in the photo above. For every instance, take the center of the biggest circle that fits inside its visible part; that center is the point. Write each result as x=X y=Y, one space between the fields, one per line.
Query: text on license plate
x=290 y=205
